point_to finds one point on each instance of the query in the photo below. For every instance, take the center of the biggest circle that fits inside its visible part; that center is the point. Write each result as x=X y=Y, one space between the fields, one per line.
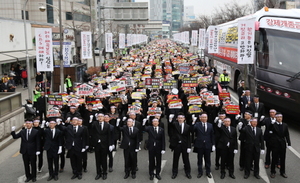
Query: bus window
x=263 y=51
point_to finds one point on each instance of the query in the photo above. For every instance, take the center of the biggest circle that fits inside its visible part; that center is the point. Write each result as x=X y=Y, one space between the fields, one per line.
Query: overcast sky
x=206 y=6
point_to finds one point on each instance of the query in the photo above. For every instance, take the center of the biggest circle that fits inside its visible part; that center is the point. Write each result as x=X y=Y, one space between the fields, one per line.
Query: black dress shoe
x=232 y=176
x=158 y=177
x=272 y=175
x=61 y=170
x=199 y=175
x=74 y=177
x=246 y=176
x=104 y=177
x=257 y=176
x=33 y=179
x=49 y=178
x=222 y=175
x=110 y=170
x=126 y=176
x=188 y=176
x=151 y=177
x=217 y=168
x=79 y=177
x=97 y=176
x=85 y=170
x=174 y=176
x=28 y=179
x=283 y=175
x=209 y=175
x=55 y=177
x=133 y=176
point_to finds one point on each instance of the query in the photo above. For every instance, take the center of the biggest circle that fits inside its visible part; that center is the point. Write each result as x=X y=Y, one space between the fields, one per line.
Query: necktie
x=101 y=126
x=130 y=130
x=181 y=128
x=253 y=131
x=74 y=129
x=256 y=106
x=280 y=128
x=155 y=129
x=28 y=134
x=204 y=127
x=52 y=133
x=228 y=129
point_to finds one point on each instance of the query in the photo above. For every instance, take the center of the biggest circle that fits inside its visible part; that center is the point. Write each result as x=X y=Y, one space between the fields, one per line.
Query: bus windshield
x=279 y=51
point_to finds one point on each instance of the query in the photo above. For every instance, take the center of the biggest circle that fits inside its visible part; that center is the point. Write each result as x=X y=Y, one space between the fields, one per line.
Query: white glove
x=124 y=118
x=47 y=124
x=171 y=116
x=163 y=152
x=194 y=119
x=216 y=119
x=110 y=148
x=188 y=150
x=91 y=118
x=118 y=122
x=13 y=128
x=37 y=111
x=235 y=151
x=59 y=150
x=99 y=141
x=262 y=151
x=193 y=116
x=86 y=147
x=83 y=149
x=237 y=117
x=240 y=125
x=289 y=147
x=136 y=150
x=58 y=121
x=219 y=123
x=148 y=117
x=38 y=153
x=68 y=119
x=273 y=122
x=144 y=121
x=43 y=124
x=96 y=115
x=262 y=118
x=213 y=148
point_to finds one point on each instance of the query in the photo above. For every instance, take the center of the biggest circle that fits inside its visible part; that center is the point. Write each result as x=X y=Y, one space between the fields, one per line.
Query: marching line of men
x=220 y=136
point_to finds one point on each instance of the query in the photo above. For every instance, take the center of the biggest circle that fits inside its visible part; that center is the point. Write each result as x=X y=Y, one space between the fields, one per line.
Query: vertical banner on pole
x=246 y=31
x=129 y=40
x=44 y=56
x=121 y=41
x=67 y=54
x=194 y=37
x=187 y=37
x=213 y=41
x=108 y=42
x=201 y=38
x=86 y=45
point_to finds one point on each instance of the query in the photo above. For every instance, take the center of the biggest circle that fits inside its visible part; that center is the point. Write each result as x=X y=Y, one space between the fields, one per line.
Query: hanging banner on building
x=121 y=41
x=194 y=37
x=109 y=42
x=246 y=30
x=44 y=56
x=67 y=54
x=187 y=37
x=202 y=38
x=86 y=45
x=213 y=41
x=129 y=42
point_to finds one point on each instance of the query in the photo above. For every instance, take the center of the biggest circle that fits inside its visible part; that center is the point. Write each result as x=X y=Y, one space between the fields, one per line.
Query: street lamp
x=42 y=8
x=27 y=57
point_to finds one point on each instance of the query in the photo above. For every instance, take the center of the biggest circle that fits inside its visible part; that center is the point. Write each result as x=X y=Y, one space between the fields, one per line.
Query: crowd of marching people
x=179 y=100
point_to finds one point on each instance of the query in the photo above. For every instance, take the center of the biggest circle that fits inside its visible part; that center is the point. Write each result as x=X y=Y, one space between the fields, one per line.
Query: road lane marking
x=211 y=180
x=22 y=178
x=262 y=171
x=15 y=155
x=163 y=163
x=295 y=152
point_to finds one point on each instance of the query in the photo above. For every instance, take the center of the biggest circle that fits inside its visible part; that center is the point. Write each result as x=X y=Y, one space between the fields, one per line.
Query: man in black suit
x=101 y=139
x=180 y=143
x=41 y=106
x=258 y=109
x=53 y=146
x=246 y=101
x=253 y=139
x=228 y=146
x=204 y=144
x=156 y=147
x=75 y=143
x=279 y=137
x=130 y=145
x=87 y=139
x=108 y=120
x=30 y=146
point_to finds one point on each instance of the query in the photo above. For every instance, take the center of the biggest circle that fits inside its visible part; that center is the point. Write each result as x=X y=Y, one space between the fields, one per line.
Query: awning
x=18 y=55
x=6 y=59
x=31 y=53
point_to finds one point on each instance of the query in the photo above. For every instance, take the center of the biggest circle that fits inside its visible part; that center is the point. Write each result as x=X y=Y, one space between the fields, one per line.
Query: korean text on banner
x=86 y=45
x=213 y=41
x=194 y=37
x=44 y=56
x=121 y=41
x=246 y=41
x=67 y=55
x=202 y=38
x=109 y=42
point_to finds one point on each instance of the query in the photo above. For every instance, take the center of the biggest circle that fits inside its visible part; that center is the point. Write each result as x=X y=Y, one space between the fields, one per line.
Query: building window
x=50 y=15
x=82 y=18
x=69 y=16
x=26 y=14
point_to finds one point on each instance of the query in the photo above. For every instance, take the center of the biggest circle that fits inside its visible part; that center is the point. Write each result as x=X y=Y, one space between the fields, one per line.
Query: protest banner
x=85 y=89
x=189 y=82
x=170 y=84
x=55 y=99
x=232 y=109
x=195 y=109
x=154 y=110
x=222 y=96
x=53 y=113
x=153 y=83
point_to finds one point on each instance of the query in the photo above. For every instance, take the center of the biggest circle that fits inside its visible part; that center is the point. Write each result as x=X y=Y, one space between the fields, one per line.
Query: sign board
x=213 y=41
x=55 y=99
x=246 y=31
x=85 y=89
x=195 y=109
x=189 y=82
x=153 y=83
x=109 y=42
x=232 y=109
x=86 y=45
x=184 y=69
x=153 y=110
x=170 y=84
x=202 y=38
x=44 y=56
x=53 y=113
x=175 y=104
x=222 y=96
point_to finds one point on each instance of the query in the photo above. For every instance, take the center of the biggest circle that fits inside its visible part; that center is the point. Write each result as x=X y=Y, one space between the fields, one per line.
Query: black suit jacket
x=157 y=139
x=133 y=138
x=30 y=146
x=41 y=104
x=176 y=136
x=70 y=136
x=226 y=137
x=260 y=111
x=103 y=135
x=278 y=139
x=202 y=136
x=52 y=144
x=244 y=102
x=267 y=122
x=251 y=142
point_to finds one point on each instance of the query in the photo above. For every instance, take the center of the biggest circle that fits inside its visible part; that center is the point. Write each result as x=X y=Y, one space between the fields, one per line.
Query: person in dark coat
x=30 y=146
x=36 y=125
x=41 y=106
